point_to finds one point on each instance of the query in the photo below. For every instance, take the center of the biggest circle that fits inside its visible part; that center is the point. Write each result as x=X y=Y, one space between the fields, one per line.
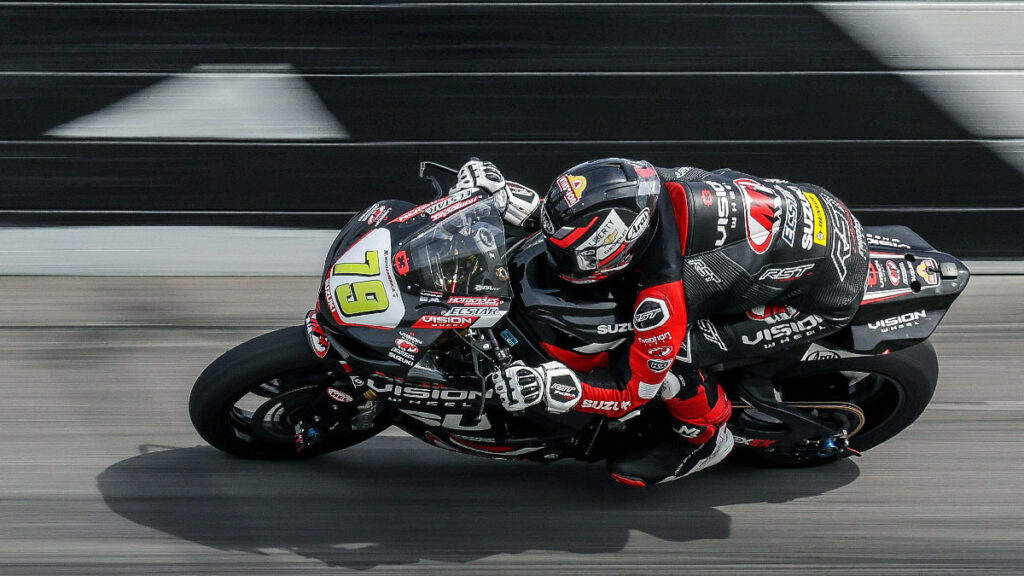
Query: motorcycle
x=419 y=304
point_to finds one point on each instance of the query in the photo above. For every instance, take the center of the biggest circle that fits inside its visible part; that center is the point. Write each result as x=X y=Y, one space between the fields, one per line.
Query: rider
x=723 y=264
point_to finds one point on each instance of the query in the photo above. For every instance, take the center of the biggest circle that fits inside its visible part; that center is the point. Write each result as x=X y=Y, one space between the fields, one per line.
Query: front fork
x=338 y=409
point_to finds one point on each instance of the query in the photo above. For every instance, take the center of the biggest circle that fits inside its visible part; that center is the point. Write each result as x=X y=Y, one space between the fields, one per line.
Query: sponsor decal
x=885 y=241
x=407 y=346
x=378 y=215
x=761 y=212
x=431 y=296
x=604 y=243
x=658 y=339
x=572 y=187
x=784 y=332
x=430 y=394
x=607 y=405
x=807 y=232
x=402 y=263
x=786 y=273
x=474 y=311
x=726 y=207
x=821 y=355
x=639 y=225
x=705 y=272
x=339 y=396
x=659 y=365
x=487 y=287
x=706 y=197
x=475 y=300
x=789 y=225
x=397 y=355
x=317 y=337
x=462 y=198
x=660 y=351
x=444 y=322
x=614 y=328
x=411 y=336
x=926 y=271
x=711 y=333
x=893 y=271
x=650 y=314
x=563 y=393
x=447 y=211
x=872 y=275
x=753 y=442
x=820 y=235
x=900 y=322
x=687 y=431
x=771 y=313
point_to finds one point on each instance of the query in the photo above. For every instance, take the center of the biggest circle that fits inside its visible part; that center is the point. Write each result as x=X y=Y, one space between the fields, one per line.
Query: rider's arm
x=659 y=324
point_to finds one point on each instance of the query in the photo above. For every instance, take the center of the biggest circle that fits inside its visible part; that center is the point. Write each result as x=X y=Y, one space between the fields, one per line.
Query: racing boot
x=697 y=439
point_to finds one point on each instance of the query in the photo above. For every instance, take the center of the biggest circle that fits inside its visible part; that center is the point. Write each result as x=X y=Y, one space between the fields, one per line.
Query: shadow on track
x=394 y=501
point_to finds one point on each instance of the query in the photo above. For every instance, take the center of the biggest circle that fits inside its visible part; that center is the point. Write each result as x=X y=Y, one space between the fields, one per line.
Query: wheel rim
x=263 y=413
x=879 y=396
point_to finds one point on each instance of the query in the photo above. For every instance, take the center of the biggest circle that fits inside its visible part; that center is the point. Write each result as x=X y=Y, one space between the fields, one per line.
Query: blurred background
x=196 y=159
x=296 y=114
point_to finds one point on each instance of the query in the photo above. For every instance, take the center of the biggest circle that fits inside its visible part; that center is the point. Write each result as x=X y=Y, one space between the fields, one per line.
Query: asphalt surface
x=101 y=473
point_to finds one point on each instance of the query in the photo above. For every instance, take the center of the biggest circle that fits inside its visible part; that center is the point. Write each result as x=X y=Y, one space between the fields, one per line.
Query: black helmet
x=598 y=216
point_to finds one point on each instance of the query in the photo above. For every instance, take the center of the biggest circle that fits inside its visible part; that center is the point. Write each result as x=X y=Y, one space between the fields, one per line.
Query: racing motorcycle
x=419 y=304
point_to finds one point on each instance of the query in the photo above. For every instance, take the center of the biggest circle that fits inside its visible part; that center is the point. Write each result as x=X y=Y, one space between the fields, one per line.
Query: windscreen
x=461 y=254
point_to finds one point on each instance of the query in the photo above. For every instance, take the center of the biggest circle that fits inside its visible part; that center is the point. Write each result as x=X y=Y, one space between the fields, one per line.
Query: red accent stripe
x=612 y=255
x=883 y=298
x=575 y=360
x=628 y=481
x=573 y=236
x=677 y=193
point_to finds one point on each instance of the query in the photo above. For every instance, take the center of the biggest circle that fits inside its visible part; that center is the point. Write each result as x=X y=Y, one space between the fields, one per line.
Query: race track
x=101 y=472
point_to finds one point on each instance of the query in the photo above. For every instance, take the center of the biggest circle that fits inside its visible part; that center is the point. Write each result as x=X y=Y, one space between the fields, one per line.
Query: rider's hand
x=482 y=175
x=515 y=201
x=520 y=386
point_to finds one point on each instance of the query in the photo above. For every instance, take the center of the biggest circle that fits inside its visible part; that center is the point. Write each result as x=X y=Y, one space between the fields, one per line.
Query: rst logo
x=761 y=213
x=786 y=273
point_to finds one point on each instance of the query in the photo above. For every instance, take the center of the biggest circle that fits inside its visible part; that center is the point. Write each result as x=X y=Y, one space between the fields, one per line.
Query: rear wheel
x=246 y=401
x=873 y=398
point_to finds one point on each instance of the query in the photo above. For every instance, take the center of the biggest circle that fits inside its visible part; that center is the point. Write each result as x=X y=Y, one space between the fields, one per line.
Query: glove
x=481 y=175
x=515 y=201
x=520 y=386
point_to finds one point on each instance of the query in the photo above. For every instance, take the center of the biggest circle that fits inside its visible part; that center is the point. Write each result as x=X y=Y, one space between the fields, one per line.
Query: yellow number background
x=366 y=296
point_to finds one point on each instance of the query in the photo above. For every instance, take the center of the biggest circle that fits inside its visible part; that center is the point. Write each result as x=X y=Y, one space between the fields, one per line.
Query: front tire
x=242 y=401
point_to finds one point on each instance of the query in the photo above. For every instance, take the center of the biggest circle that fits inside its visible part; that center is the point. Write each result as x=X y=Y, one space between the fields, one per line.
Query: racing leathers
x=738 y=266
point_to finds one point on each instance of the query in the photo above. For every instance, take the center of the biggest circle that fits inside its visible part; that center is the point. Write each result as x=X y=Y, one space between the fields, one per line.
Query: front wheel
x=243 y=403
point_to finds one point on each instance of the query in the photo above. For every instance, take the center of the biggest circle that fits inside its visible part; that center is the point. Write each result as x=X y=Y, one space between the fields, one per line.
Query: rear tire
x=893 y=390
x=274 y=363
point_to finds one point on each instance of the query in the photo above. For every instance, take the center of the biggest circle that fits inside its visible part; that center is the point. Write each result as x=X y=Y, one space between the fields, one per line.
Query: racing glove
x=553 y=383
x=515 y=201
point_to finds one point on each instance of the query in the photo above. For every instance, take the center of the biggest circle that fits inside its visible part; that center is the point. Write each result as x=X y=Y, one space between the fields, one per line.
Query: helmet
x=598 y=216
